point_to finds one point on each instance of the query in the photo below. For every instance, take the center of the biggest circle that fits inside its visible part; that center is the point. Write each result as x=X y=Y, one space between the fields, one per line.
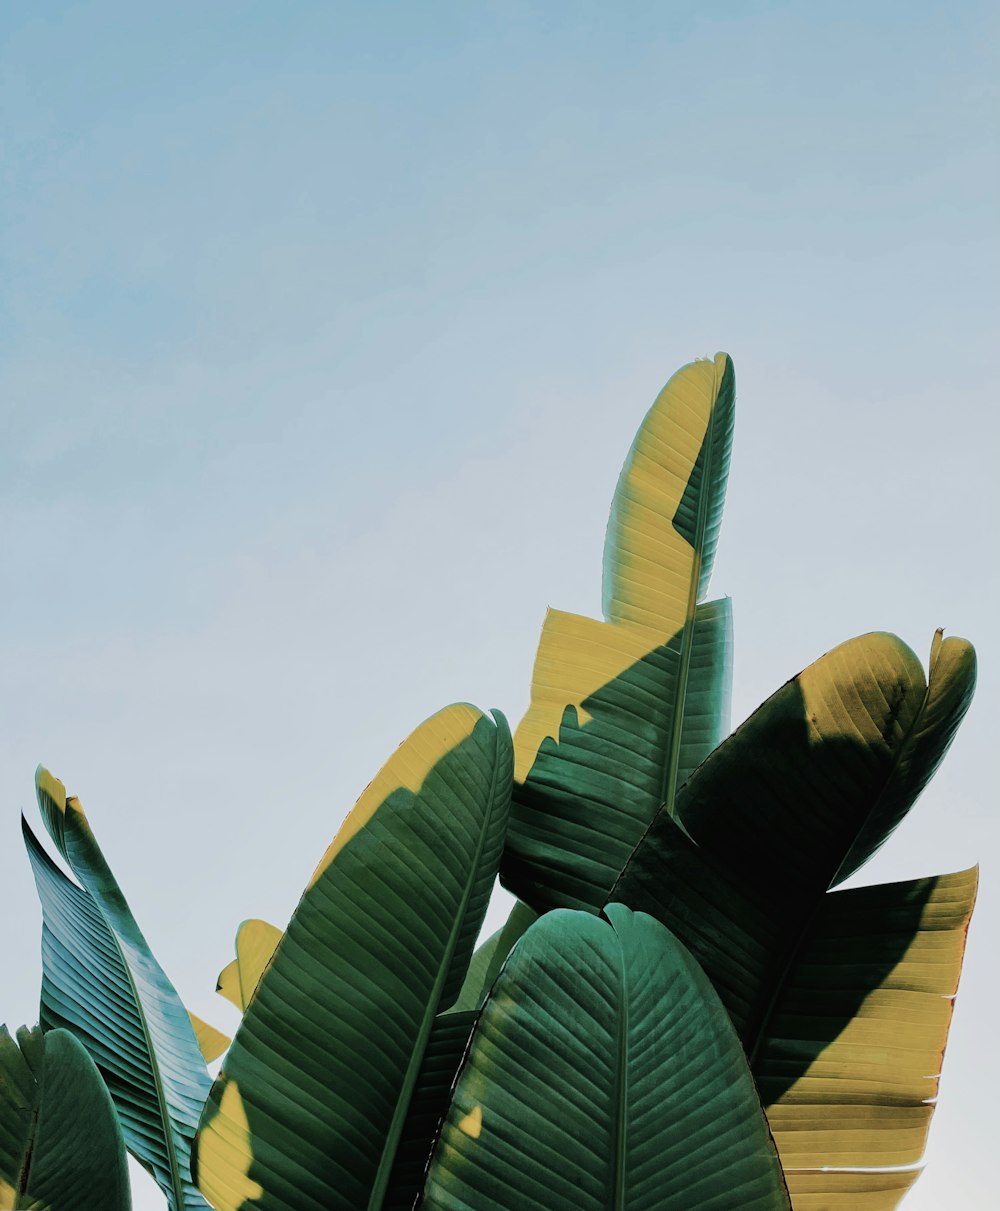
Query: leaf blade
x=888 y=957
x=256 y=942
x=576 y=1090
x=838 y=753
x=377 y=947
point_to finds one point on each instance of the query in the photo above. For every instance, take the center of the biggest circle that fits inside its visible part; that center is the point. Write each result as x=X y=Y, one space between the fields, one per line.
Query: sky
x=324 y=330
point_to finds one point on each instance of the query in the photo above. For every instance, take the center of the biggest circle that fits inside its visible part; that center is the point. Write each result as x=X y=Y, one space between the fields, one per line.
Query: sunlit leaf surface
x=256 y=942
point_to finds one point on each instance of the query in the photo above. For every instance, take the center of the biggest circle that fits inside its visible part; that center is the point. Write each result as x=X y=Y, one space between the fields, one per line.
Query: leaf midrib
x=668 y=786
x=620 y=1148
x=24 y=1174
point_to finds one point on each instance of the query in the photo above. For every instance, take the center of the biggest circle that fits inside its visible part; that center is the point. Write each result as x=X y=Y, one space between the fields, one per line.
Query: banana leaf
x=604 y=1073
x=60 y=1143
x=310 y=1107
x=101 y=982
x=622 y=711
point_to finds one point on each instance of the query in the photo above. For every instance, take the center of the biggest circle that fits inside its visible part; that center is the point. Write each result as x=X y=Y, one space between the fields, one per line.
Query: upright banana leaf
x=604 y=1073
x=623 y=710
x=60 y=1143
x=101 y=982
x=309 y=1110
x=771 y=818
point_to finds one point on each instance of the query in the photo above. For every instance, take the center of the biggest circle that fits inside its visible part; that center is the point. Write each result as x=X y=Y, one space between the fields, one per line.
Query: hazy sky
x=325 y=329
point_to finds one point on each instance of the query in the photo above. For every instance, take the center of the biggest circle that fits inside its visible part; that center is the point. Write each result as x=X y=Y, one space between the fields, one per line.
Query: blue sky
x=325 y=328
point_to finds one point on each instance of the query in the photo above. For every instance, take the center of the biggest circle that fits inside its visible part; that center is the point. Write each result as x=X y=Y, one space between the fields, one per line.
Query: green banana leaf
x=604 y=1073
x=622 y=711
x=101 y=982
x=667 y=508
x=951 y=683
x=60 y=1143
x=310 y=1107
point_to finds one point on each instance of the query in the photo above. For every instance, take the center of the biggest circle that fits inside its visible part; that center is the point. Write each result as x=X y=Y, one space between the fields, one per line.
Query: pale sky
x=325 y=330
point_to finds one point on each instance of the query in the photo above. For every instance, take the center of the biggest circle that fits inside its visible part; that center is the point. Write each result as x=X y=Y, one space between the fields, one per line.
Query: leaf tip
x=49 y=786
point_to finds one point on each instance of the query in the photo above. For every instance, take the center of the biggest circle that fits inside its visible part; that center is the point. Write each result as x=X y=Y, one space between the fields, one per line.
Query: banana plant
x=599 y=1039
x=681 y=960
x=845 y=749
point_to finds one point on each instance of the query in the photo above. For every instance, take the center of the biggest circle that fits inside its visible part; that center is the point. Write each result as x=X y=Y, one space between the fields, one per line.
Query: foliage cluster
x=680 y=1014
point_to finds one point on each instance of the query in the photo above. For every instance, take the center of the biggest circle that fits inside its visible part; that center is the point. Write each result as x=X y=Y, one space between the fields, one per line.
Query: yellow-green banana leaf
x=211 y=1042
x=848 y=1065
